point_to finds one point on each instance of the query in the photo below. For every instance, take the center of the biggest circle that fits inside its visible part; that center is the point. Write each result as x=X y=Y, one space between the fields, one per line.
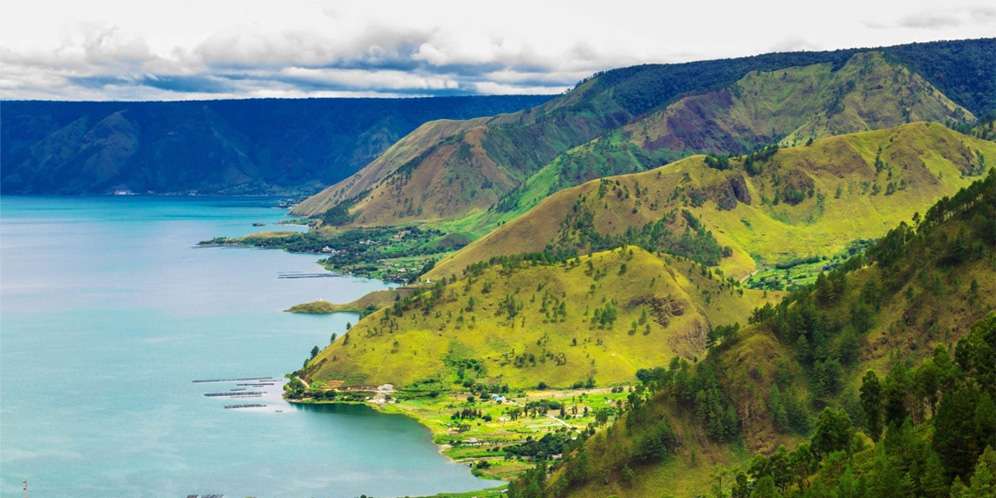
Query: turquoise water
x=107 y=313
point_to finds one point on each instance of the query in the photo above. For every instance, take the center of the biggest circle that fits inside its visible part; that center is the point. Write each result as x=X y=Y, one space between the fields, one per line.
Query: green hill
x=913 y=312
x=789 y=105
x=776 y=206
x=525 y=322
x=475 y=174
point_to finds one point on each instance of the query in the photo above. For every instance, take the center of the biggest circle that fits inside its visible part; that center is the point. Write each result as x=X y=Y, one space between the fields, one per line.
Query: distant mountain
x=479 y=173
x=224 y=146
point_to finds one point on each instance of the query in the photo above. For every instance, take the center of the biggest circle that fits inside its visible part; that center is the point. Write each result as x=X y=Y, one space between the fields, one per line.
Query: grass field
x=594 y=319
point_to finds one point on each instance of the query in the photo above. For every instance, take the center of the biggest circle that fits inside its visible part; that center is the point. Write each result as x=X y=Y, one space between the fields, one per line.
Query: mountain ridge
x=922 y=162
x=605 y=102
x=252 y=146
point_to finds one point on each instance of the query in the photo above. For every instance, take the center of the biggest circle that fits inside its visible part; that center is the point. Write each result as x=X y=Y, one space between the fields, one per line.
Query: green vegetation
x=317 y=308
x=483 y=493
x=926 y=424
x=800 y=272
x=799 y=202
x=473 y=173
x=584 y=319
x=558 y=318
x=515 y=350
x=496 y=431
x=257 y=146
x=363 y=306
x=393 y=254
x=938 y=441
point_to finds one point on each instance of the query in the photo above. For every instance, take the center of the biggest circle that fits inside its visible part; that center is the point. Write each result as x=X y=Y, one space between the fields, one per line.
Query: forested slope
x=226 y=146
x=856 y=418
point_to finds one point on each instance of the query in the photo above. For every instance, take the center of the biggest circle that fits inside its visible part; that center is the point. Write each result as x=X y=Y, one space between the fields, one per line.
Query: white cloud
x=359 y=79
x=930 y=21
x=494 y=88
x=117 y=49
x=794 y=44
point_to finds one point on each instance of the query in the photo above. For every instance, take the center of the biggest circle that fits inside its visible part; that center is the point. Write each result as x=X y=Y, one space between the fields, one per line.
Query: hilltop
x=476 y=174
x=774 y=206
x=524 y=322
x=806 y=374
x=224 y=146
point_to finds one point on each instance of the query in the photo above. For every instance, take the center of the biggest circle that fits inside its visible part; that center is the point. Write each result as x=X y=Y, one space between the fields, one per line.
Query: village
x=496 y=431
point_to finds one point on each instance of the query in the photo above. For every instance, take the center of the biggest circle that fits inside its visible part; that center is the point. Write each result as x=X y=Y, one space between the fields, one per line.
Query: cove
x=107 y=315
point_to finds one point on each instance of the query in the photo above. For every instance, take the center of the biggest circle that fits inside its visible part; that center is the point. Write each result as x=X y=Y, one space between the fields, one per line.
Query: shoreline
x=491 y=442
x=441 y=448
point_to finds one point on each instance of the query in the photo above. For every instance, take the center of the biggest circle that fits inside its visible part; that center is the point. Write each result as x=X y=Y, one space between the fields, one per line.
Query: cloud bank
x=103 y=50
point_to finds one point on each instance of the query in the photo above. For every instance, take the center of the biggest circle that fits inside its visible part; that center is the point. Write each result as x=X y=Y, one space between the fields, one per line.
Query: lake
x=107 y=315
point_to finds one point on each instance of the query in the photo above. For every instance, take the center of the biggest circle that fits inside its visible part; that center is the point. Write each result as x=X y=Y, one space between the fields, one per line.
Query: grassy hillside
x=521 y=322
x=790 y=105
x=770 y=207
x=410 y=148
x=897 y=312
x=478 y=172
x=364 y=305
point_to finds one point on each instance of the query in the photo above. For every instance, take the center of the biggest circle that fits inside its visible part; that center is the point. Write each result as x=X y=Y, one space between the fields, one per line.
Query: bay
x=108 y=313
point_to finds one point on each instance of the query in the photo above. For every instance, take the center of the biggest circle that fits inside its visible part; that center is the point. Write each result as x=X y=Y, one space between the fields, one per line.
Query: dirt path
x=306 y=385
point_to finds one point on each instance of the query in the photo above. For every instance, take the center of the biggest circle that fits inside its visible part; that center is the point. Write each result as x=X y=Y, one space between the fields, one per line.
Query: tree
x=871 y=404
x=314 y=352
x=530 y=484
x=985 y=420
x=828 y=374
x=983 y=481
x=833 y=432
x=848 y=486
x=862 y=317
x=765 y=488
x=720 y=334
x=954 y=430
x=897 y=389
x=656 y=444
x=934 y=482
x=976 y=353
x=927 y=384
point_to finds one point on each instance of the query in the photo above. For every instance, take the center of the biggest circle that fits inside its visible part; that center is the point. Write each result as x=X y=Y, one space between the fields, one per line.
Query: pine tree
x=983 y=481
x=871 y=403
x=934 y=482
x=833 y=432
x=954 y=430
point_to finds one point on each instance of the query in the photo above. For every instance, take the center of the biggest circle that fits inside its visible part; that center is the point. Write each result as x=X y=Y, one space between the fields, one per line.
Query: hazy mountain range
x=220 y=147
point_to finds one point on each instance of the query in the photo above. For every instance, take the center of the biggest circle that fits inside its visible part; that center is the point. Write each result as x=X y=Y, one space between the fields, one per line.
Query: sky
x=206 y=49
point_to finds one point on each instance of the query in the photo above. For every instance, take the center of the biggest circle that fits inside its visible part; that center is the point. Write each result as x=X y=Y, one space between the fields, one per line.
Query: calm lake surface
x=107 y=313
